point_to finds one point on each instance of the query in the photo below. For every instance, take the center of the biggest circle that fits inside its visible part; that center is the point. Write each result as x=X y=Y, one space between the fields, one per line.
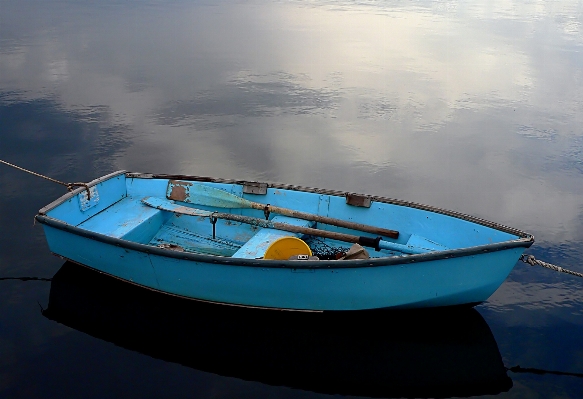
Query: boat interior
x=117 y=206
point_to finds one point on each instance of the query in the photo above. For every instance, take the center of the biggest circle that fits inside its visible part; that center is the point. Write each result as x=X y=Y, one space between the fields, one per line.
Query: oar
x=376 y=243
x=209 y=196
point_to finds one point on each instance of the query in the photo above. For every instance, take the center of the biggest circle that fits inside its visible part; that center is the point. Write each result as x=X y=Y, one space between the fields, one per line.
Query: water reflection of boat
x=378 y=354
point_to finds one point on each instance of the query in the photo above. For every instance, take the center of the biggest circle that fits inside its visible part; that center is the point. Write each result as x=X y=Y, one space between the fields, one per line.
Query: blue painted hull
x=117 y=235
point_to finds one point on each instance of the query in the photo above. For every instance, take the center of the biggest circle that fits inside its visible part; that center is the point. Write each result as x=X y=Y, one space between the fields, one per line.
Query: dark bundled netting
x=325 y=251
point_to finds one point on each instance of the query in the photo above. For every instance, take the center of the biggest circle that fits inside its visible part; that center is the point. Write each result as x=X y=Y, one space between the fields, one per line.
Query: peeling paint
x=178 y=191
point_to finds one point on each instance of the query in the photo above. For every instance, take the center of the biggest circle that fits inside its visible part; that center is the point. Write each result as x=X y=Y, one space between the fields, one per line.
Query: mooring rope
x=26 y=278
x=531 y=260
x=70 y=186
x=518 y=369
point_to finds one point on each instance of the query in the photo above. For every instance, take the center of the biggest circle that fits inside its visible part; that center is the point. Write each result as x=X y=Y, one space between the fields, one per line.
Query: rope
x=70 y=186
x=518 y=369
x=531 y=260
x=26 y=278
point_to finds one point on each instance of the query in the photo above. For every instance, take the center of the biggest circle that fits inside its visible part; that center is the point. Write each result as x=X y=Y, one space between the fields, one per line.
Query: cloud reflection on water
x=442 y=103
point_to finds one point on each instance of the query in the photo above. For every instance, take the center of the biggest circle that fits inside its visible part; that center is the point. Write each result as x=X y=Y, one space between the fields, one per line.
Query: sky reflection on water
x=409 y=95
x=474 y=107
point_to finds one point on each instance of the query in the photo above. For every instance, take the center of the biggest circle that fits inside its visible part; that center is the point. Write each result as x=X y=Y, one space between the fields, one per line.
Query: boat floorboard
x=173 y=237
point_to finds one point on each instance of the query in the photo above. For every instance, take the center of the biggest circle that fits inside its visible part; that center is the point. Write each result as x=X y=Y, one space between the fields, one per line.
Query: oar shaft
x=211 y=196
x=327 y=220
x=376 y=243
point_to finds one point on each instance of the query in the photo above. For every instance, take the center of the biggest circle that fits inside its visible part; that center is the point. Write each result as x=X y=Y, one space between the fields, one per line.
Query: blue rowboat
x=208 y=239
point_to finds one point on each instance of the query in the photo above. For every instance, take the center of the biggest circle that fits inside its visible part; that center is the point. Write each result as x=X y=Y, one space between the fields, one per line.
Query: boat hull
x=465 y=276
x=435 y=283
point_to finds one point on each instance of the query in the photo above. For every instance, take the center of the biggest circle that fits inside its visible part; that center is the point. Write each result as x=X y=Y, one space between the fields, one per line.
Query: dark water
x=475 y=107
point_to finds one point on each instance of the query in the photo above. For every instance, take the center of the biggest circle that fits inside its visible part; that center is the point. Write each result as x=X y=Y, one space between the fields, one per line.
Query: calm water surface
x=471 y=106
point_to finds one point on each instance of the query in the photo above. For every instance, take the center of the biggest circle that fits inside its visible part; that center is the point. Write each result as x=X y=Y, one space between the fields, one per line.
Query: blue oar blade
x=415 y=245
x=170 y=206
x=423 y=243
x=201 y=194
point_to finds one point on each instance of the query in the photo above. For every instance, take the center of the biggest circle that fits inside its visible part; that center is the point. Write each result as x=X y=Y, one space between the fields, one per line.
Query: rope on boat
x=531 y=260
x=70 y=186
x=324 y=251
